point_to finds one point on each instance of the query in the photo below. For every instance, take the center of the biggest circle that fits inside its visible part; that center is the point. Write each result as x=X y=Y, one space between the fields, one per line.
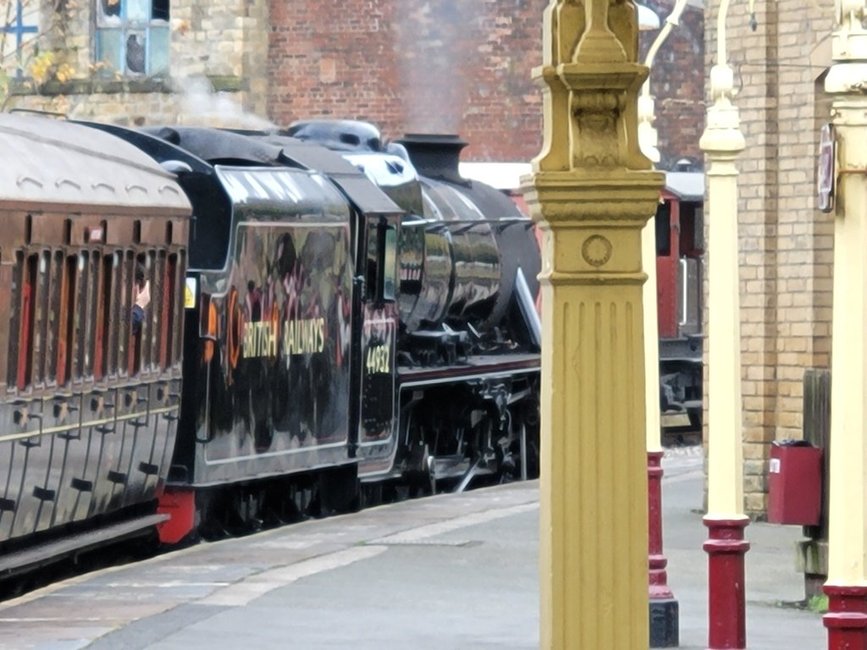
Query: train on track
x=212 y=331
x=680 y=247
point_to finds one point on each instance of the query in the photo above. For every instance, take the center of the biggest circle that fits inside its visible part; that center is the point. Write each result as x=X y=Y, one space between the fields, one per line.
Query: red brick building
x=457 y=67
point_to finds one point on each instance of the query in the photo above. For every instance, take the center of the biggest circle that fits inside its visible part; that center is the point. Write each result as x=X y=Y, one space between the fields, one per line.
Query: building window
x=132 y=36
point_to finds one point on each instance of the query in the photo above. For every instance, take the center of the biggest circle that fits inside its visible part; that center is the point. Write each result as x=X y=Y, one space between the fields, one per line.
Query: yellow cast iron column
x=722 y=141
x=847 y=572
x=592 y=191
x=664 y=610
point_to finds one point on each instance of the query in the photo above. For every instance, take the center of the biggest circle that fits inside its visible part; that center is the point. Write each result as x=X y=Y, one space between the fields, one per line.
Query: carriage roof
x=52 y=161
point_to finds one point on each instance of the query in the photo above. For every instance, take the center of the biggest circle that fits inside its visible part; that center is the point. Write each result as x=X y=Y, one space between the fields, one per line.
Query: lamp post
x=722 y=141
x=664 y=628
x=591 y=192
x=846 y=586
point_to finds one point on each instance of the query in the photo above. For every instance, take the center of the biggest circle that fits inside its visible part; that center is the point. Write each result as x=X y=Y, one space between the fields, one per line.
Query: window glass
x=138 y=10
x=158 y=54
x=109 y=11
x=389 y=265
x=160 y=9
x=371 y=275
x=80 y=324
x=132 y=36
x=135 y=55
x=55 y=315
x=108 y=47
x=40 y=317
x=663 y=229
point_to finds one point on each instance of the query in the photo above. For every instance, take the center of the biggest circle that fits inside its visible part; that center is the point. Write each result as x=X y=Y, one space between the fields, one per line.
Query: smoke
x=200 y=105
x=436 y=47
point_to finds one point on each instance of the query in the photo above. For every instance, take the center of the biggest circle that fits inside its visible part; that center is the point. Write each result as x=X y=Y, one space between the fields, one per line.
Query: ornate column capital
x=591 y=77
x=590 y=196
x=850 y=37
x=722 y=137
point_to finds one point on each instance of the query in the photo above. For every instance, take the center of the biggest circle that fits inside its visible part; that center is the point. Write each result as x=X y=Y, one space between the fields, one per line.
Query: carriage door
x=378 y=337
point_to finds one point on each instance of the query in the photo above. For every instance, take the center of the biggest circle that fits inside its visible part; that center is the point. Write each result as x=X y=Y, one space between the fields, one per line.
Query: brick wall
x=435 y=66
x=438 y=65
x=677 y=84
x=785 y=244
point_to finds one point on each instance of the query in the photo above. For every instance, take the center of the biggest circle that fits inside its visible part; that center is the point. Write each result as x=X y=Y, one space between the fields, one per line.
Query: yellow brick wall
x=785 y=243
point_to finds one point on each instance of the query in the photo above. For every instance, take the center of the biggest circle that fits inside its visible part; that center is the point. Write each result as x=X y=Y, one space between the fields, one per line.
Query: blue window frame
x=132 y=36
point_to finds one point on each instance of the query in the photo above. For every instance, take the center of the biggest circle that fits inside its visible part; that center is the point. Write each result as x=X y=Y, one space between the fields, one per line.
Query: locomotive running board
x=50 y=552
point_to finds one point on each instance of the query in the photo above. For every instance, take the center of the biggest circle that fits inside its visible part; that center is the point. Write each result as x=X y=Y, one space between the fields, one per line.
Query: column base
x=726 y=548
x=846 y=619
x=664 y=626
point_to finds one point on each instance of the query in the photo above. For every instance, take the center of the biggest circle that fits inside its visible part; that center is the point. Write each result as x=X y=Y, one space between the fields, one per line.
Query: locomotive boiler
x=330 y=320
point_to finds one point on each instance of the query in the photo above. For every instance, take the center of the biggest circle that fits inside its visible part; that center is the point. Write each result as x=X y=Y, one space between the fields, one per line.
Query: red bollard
x=846 y=619
x=664 y=630
x=726 y=549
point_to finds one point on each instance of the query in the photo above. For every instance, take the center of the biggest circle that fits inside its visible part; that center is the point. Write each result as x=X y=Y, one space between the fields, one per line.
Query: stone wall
x=217 y=63
x=785 y=243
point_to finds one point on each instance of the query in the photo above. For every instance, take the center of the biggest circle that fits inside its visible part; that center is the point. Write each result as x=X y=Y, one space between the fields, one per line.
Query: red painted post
x=846 y=619
x=656 y=559
x=664 y=623
x=726 y=549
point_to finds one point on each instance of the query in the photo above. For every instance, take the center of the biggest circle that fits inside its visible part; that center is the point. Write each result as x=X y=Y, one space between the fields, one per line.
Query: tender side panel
x=276 y=366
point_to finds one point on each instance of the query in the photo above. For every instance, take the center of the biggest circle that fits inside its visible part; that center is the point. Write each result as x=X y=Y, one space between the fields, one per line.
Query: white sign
x=826 y=172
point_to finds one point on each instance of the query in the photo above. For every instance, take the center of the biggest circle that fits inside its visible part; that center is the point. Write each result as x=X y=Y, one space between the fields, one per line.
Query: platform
x=452 y=571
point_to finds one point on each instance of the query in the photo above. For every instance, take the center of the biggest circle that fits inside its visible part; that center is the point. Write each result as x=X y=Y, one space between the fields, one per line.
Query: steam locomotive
x=210 y=331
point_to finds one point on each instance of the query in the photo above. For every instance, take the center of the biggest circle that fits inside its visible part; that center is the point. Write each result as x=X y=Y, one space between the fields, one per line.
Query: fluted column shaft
x=591 y=193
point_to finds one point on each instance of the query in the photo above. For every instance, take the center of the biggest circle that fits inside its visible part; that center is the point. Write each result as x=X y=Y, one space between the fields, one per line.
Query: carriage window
x=132 y=36
x=91 y=290
x=176 y=266
x=154 y=311
x=79 y=324
x=113 y=268
x=55 y=316
x=26 y=300
x=40 y=296
x=168 y=309
x=140 y=311
x=66 y=332
x=103 y=267
x=15 y=321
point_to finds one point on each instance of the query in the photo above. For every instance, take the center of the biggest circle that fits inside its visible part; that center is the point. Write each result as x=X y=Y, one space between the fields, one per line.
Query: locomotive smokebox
x=435 y=155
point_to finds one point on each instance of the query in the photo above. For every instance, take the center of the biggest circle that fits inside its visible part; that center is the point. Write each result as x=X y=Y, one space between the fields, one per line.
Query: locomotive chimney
x=435 y=155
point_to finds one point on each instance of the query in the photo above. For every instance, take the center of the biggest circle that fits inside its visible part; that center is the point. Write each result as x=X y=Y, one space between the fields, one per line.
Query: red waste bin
x=795 y=484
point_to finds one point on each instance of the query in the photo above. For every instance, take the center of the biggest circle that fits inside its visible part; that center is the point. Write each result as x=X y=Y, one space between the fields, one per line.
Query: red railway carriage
x=88 y=403
x=679 y=249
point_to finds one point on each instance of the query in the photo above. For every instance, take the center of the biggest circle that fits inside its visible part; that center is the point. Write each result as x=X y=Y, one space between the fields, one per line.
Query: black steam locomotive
x=211 y=331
